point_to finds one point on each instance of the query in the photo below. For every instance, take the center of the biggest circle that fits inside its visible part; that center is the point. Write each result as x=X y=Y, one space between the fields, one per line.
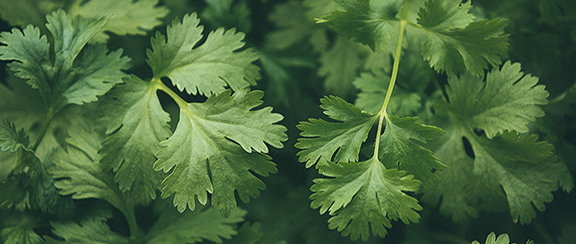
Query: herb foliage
x=142 y=121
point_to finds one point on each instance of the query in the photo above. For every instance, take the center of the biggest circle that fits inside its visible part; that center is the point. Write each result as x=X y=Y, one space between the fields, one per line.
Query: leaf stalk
x=393 y=78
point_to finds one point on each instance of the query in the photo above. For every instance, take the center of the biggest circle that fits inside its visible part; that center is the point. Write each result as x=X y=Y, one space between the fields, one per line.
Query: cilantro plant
x=486 y=111
x=147 y=121
x=120 y=149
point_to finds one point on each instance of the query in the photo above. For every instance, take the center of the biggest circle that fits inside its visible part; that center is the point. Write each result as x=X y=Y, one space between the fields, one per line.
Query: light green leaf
x=456 y=43
x=508 y=100
x=72 y=77
x=125 y=16
x=491 y=239
x=136 y=123
x=400 y=148
x=204 y=224
x=324 y=141
x=206 y=69
x=364 y=195
x=215 y=146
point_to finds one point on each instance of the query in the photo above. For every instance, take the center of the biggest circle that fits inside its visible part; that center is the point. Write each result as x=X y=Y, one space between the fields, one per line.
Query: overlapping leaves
x=216 y=143
x=214 y=148
x=370 y=193
x=454 y=43
x=524 y=168
x=78 y=73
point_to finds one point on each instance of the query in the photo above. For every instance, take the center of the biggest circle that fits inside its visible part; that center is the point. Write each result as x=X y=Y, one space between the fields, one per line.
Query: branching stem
x=160 y=86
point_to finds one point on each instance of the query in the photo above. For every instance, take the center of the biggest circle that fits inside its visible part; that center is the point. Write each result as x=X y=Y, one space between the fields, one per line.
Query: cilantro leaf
x=19 y=228
x=215 y=146
x=508 y=100
x=78 y=172
x=399 y=150
x=525 y=169
x=136 y=123
x=502 y=239
x=125 y=16
x=292 y=25
x=28 y=12
x=206 y=69
x=364 y=195
x=227 y=13
x=340 y=65
x=445 y=14
x=90 y=229
x=327 y=138
x=68 y=79
x=455 y=42
x=204 y=224
x=368 y=22
x=14 y=138
x=373 y=87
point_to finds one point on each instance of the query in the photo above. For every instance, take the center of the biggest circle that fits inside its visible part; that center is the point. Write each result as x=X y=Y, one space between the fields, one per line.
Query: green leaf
x=18 y=228
x=506 y=169
x=292 y=25
x=368 y=22
x=215 y=146
x=508 y=100
x=228 y=14
x=456 y=43
x=373 y=87
x=364 y=195
x=90 y=229
x=527 y=170
x=125 y=16
x=491 y=239
x=20 y=235
x=14 y=138
x=204 y=224
x=206 y=69
x=400 y=148
x=135 y=123
x=333 y=141
x=78 y=173
x=340 y=65
x=73 y=77
x=443 y=15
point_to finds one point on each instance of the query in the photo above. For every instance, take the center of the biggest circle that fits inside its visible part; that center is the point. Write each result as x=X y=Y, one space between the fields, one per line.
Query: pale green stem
x=160 y=86
x=393 y=78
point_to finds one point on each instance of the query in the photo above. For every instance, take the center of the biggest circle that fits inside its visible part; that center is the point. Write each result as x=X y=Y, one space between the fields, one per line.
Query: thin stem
x=378 y=133
x=393 y=78
x=136 y=234
x=44 y=129
x=181 y=103
x=395 y=67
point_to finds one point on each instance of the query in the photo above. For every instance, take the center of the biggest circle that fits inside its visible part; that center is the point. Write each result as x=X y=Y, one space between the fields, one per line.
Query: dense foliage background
x=302 y=61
